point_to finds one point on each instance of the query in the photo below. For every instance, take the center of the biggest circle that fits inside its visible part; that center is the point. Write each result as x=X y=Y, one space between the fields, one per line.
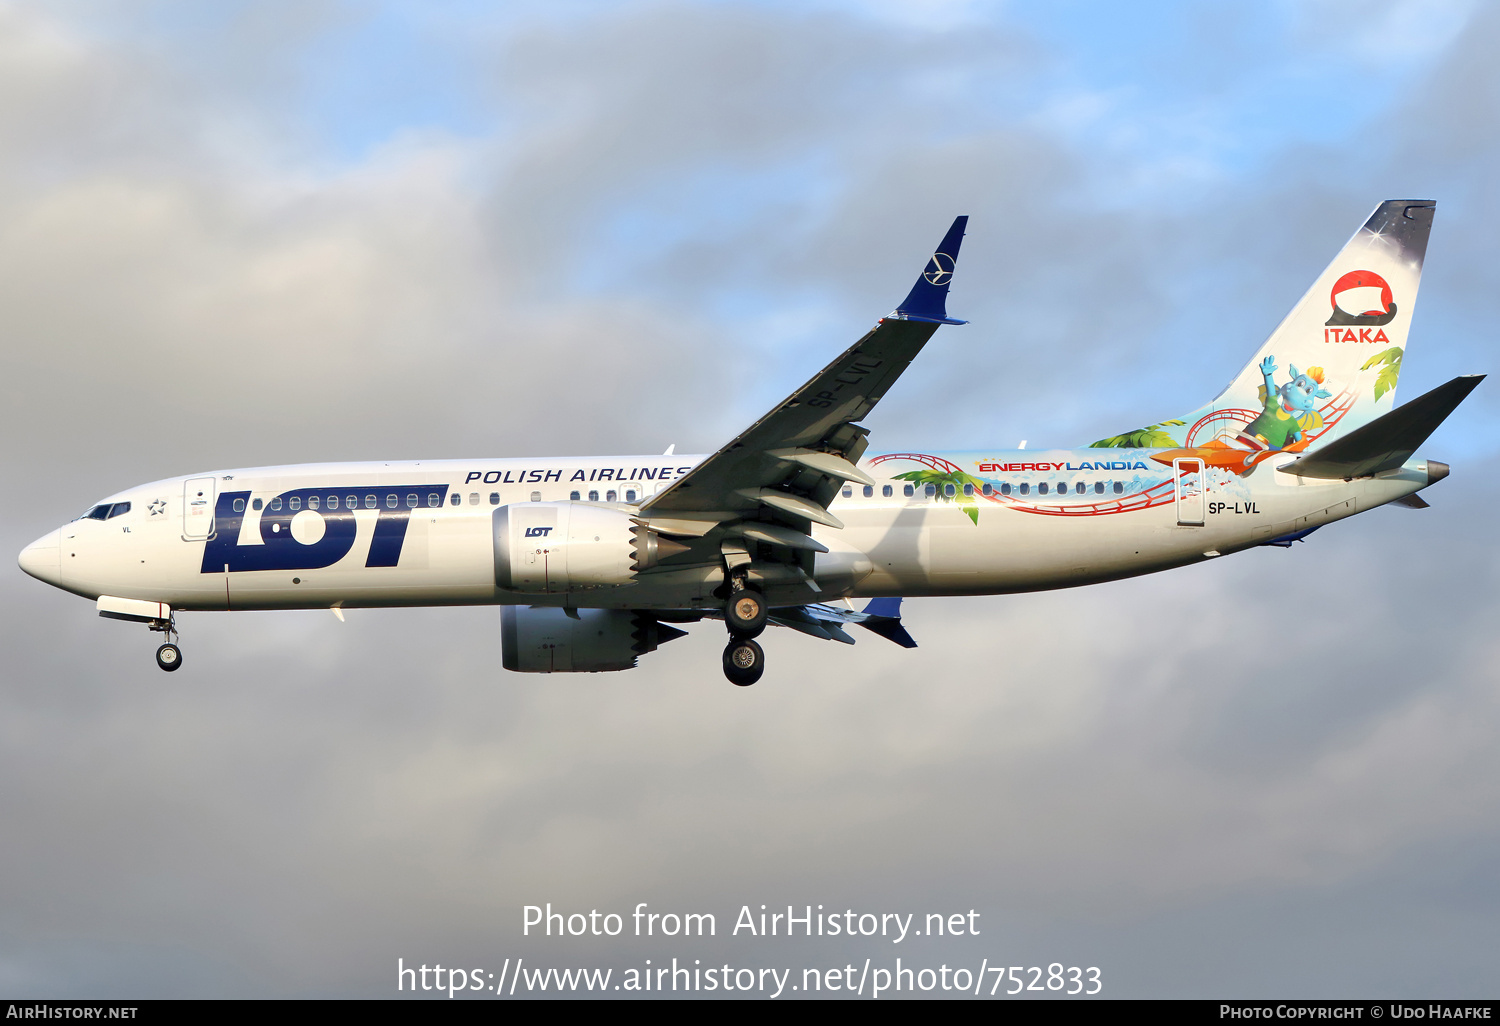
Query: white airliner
x=594 y=559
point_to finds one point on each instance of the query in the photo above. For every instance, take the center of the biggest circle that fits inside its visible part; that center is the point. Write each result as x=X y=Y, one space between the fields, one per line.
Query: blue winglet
x=928 y=299
x=884 y=618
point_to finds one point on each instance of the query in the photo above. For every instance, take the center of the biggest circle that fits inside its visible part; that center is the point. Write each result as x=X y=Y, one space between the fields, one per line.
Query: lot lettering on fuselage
x=277 y=549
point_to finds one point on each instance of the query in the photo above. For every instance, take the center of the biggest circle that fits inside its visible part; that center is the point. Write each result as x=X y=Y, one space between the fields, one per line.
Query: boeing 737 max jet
x=594 y=560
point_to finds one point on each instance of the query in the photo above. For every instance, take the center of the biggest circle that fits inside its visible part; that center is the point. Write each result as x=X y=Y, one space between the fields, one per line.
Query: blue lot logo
x=538 y=532
x=278 y=549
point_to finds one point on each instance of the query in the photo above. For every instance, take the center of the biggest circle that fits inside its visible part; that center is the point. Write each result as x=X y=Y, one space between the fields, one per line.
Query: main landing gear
x=745 y=613
x=168 y=656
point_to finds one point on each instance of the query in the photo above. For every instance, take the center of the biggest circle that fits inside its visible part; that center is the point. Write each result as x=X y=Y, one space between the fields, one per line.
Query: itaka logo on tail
x=1361 y=297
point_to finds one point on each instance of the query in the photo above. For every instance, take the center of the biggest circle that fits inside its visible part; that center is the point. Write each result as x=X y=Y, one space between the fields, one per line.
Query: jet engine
x=546 y=639
x=555 y=547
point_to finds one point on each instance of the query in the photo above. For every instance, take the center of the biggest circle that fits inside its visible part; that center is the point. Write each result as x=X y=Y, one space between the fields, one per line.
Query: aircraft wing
x=779 y=475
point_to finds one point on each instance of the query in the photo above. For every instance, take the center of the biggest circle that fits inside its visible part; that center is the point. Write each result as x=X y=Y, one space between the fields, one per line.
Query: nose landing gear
x=168 y=656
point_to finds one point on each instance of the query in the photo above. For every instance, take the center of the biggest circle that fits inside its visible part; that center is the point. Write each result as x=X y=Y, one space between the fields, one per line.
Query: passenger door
x=198 y=508
x=1191 y=497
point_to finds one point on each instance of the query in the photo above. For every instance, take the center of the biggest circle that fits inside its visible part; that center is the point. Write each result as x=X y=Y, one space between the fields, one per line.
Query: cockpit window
x=104 y=511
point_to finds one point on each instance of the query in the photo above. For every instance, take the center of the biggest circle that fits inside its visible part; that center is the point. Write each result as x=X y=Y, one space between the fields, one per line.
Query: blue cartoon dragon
x=1290 y=410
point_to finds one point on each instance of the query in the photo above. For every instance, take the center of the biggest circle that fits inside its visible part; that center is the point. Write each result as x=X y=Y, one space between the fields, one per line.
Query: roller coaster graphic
x=1214 y=427
x=1223 y=424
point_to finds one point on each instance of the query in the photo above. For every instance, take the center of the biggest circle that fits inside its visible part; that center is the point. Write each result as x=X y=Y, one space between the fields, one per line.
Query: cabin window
x=239 y=505
x=411 y=501
x=457 y=498
x=968 y=489
x=1025 y=489
x=1005 y=488
x=885 y=491
x=609 y=496
x=352 y=501
x=390 y=501
x=370 y=502
x=907 y=491
x=295 y=502
x=494 y=498
x=1062 y=489
x=333 y=502
x=848 y=492
x=869 y=491
x=630 y=495
x=1119 y=488
x=573 y=496
x=930 y=489
x=1041 y=489
x=593 y=495
x=276 y=503
x=473 y=498
x=988 y=489
x=434 y=499
x=949 y=490
x=312 y=502
x=1098 y=487
x=537 y=496
x=255 y=504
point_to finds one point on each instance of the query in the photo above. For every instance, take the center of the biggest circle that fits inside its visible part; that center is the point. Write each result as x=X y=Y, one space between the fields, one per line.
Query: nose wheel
x=168 y=656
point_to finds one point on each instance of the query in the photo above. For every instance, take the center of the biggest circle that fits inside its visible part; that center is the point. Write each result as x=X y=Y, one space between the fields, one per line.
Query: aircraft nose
x=42 y=559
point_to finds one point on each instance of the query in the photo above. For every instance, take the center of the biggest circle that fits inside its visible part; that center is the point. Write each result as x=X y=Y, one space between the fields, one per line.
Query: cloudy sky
x=252 y=233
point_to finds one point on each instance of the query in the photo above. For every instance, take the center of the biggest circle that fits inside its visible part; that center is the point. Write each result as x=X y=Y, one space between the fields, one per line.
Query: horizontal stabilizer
x=1388 y=441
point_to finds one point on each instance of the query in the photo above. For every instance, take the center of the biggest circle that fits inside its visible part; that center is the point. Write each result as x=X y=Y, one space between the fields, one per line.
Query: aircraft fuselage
x=420 y=533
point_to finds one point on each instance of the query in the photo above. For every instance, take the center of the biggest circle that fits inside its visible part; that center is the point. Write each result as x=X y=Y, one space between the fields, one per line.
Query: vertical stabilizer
x=1331 y=366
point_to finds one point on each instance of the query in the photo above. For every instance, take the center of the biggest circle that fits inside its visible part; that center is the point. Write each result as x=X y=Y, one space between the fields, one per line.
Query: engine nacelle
x=553 y=547
x=545 y=639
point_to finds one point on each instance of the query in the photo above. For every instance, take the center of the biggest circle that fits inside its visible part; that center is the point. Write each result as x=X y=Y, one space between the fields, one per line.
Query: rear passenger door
x=1192 y=497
